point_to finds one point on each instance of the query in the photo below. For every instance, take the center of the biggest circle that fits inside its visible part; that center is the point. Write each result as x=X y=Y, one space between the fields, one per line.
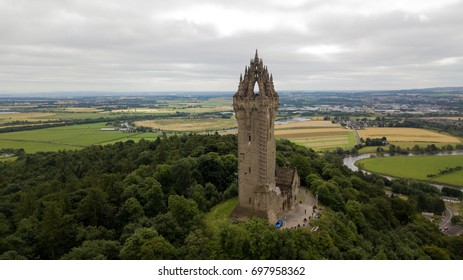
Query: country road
x=448 y=214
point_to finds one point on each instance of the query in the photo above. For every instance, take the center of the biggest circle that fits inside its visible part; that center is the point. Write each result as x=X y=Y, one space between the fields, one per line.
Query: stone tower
x=255 y=112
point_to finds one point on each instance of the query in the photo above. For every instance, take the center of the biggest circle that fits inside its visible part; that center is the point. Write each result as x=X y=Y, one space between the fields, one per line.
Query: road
x=448 y=214
x=452 y=230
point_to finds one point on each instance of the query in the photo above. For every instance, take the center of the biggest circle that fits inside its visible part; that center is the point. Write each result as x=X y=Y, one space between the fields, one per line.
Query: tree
x=233 y=242
x=262 y=239
x=4 y=225
x=185 y=212
x=182 y=174
x=94 y=209
x=51 y=229
x=94 y=250
x=455 y=220
x=12 y=255
x=131 y=250
x=198 y=194
x=435 y=253
x=354 y=212
x=155 y=199
x=131 y=211
x=157 y=248
x=197 y=246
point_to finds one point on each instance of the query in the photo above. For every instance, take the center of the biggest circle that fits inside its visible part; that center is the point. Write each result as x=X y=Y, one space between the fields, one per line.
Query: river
x=350 y=163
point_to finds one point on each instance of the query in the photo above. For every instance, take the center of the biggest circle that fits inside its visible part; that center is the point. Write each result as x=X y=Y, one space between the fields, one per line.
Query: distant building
x=260 y=192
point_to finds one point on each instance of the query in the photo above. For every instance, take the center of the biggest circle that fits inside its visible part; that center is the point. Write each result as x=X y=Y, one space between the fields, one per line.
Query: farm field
x=190 y=105
x=406 y=137
x=60 y=115
x=318 y=135
x=405 y=134
x=66 y=137
x=306 y=124
x=399 y=166
x=36 y=116
x=187 y=125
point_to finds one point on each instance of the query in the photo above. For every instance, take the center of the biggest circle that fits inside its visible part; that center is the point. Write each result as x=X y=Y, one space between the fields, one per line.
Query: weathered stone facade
x=259 y=191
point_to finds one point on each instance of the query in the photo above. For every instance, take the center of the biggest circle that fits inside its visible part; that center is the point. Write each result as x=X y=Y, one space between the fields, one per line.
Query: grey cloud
x=113 y=45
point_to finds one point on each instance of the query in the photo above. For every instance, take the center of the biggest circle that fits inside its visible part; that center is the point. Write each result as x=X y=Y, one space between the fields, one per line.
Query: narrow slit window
x=249 y=169
x=249 y=200
x=249 y=138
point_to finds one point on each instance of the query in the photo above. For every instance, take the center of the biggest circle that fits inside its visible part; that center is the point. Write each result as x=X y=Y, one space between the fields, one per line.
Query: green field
x=66 y=137
x=416 y=167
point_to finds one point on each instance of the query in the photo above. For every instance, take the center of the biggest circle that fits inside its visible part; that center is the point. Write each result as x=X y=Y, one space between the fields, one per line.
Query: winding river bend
x=350 y=163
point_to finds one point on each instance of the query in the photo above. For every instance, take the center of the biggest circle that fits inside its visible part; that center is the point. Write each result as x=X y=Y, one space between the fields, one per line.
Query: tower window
x=249 y=200
x=249 y=169
x=249 y=138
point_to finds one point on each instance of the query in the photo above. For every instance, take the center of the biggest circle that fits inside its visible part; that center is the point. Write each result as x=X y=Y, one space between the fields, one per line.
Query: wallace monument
x=264 y=189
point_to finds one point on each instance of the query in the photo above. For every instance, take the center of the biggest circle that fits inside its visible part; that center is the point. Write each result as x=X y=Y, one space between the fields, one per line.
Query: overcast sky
x=181 y=45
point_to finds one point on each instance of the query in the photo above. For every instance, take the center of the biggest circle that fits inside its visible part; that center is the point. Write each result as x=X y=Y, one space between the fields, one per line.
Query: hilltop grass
x=220 y=214
x=416 y=167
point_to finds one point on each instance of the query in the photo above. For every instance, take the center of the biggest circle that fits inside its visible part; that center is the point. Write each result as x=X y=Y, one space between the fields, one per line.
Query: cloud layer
x=143 y=45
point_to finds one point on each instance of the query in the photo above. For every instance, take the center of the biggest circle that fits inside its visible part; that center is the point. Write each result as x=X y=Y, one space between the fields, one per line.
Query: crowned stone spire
x=258 y=73
x=255 y=113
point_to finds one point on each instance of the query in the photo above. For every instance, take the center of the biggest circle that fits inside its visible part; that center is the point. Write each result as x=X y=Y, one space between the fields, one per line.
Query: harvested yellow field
x=307 y=124
x=406 y=134
x=186 y=125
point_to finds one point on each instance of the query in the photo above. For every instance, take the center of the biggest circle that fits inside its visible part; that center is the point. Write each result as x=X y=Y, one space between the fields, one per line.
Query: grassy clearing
x=220 y=214
x=416 y=167
x=404 y=134
x=2 y=159
x=185 y=125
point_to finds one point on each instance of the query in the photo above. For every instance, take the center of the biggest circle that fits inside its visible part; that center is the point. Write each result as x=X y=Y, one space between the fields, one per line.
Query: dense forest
x=147 y=200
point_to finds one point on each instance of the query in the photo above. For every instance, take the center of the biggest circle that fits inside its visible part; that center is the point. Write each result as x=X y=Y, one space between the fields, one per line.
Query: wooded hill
x=147 y=200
